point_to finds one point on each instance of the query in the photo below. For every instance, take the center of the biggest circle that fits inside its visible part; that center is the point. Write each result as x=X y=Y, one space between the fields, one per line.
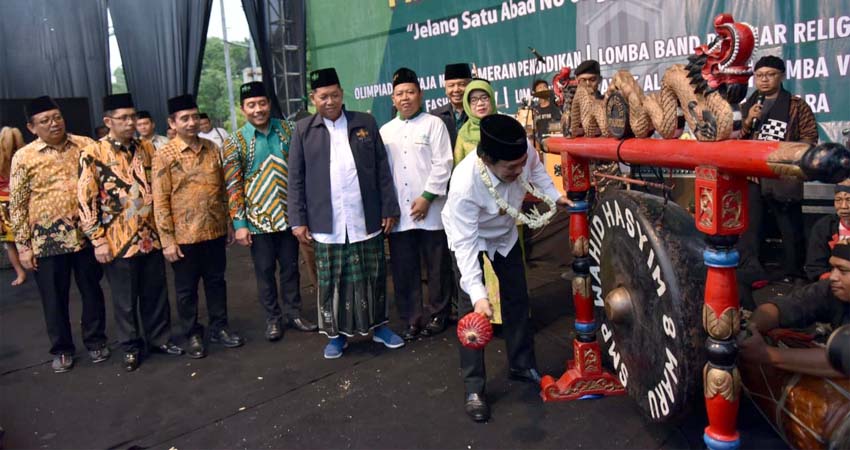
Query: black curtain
x=55 y=48
x=257 y=14
x=162 y=49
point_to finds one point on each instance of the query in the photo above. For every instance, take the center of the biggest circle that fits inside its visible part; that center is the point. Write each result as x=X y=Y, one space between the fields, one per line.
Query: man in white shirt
x=421 y=162
x=342 y=201
x=146 y=128
x=501 y=171
x=215 y=134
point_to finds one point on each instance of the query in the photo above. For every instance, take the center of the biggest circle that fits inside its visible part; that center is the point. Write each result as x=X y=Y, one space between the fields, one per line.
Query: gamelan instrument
x=661 y=280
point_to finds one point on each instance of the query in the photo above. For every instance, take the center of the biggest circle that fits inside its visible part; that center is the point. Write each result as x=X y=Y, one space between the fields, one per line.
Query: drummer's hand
x=754 y=349
x=564 y=201
x=482 y=306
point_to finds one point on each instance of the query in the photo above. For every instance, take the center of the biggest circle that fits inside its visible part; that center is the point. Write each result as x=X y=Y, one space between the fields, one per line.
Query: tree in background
x=212 y=92
x=119 y=83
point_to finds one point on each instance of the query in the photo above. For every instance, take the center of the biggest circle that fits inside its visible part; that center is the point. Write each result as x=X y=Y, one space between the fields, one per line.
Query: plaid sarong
x=352 y=293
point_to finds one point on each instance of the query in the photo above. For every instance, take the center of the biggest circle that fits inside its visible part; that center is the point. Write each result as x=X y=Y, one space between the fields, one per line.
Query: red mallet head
x=474 y=331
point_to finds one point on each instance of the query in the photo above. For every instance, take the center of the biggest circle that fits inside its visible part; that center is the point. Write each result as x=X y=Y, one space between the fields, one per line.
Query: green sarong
x=352 y=291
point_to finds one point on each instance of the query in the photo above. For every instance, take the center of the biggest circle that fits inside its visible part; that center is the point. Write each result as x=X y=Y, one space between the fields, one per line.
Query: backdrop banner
x=368 y=40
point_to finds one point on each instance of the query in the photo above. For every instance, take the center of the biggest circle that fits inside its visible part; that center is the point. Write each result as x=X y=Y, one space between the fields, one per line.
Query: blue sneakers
x=384 y=335
x=335 y=347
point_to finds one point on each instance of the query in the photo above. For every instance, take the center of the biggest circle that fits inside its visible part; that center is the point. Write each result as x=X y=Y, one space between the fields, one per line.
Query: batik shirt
x=43 y=197
x=190 y=202
x=116 y=201
x=257 y=174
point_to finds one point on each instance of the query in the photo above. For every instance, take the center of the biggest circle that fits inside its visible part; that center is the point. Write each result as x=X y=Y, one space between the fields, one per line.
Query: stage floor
x=285 y=395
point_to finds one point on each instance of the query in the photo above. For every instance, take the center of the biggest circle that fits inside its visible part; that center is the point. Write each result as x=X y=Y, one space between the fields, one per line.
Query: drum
x=808 y=412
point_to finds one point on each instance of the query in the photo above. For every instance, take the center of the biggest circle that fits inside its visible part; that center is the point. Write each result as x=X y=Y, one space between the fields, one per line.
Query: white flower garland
x=534 y=219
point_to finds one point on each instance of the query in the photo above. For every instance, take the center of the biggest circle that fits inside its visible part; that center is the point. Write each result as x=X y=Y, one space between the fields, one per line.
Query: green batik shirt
x=256 y=175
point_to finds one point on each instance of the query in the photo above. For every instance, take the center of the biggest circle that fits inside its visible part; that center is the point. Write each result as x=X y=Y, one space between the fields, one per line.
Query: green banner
x=367 y=40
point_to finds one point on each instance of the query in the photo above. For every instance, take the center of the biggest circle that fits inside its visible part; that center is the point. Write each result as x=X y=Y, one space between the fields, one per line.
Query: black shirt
x=544 y=118
x=812 y=303
x=822 y=237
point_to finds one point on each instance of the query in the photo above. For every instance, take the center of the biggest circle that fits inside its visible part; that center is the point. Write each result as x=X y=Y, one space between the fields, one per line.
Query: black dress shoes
x=477 y=408
x=168 y=348
x=131 y=361
x=411 y=333
x=302 y=324
x=436 y=326
x=226 y=338
x=196 y=348
x=527 y=375
x=274 y=331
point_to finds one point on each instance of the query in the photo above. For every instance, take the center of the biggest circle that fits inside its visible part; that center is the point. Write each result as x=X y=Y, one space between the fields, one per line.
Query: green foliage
x=119 y=86
x=212 y=91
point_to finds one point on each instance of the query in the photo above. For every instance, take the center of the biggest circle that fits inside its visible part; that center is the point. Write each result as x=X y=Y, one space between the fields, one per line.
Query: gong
x=647 y=284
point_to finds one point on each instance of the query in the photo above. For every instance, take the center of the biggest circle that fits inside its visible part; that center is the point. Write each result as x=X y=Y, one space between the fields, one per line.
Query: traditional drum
x=808 y=412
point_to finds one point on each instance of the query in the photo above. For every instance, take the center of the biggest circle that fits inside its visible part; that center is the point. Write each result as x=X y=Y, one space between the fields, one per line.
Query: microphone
x=756 y=121
x=537 y=55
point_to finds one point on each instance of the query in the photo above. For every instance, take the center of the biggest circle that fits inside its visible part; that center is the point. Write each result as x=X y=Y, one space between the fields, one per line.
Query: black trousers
x=789 y=220
x=408 y=249
x=53 y=279
x=205 y=261
x=516 y=326
x=140 y=300
x=273 y=252
x=750 y=268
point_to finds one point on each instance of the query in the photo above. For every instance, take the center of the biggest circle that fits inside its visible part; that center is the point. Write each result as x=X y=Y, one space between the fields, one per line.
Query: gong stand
x=584 y=375
x=721 y=170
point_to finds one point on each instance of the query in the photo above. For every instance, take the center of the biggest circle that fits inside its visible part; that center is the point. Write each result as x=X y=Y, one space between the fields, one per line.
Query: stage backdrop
x=367 y=40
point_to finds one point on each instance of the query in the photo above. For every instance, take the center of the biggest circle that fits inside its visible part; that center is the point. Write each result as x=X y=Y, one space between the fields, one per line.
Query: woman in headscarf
x=10 y=141
x=479 y=102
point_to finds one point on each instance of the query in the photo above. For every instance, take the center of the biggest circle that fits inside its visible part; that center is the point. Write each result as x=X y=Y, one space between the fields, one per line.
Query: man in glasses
x=588 y=73
x=116 y=213
x=48 y=235
x=772 y=114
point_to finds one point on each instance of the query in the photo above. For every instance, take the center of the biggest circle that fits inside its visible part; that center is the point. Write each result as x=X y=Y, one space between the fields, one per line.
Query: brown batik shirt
x=115 y=196
x=190 y=200
x=43 y=197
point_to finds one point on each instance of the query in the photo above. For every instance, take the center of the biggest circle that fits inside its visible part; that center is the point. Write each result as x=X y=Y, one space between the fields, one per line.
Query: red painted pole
x=746 y=158
x=584 y=375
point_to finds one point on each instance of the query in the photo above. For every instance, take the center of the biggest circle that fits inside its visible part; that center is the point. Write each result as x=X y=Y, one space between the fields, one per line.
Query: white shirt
x=217 y=135
x=420 y=157
x=346 y=199
x=472 y=220
x=158 y=141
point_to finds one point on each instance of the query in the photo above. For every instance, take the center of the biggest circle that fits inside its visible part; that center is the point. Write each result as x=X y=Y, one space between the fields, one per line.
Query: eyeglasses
x=766 y=75
x=124 y=118
x=44 y=121
x=588 y=80
x=479 y=99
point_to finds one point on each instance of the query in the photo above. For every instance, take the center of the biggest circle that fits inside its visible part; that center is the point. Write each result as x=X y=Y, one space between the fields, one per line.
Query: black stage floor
x=285 y=395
